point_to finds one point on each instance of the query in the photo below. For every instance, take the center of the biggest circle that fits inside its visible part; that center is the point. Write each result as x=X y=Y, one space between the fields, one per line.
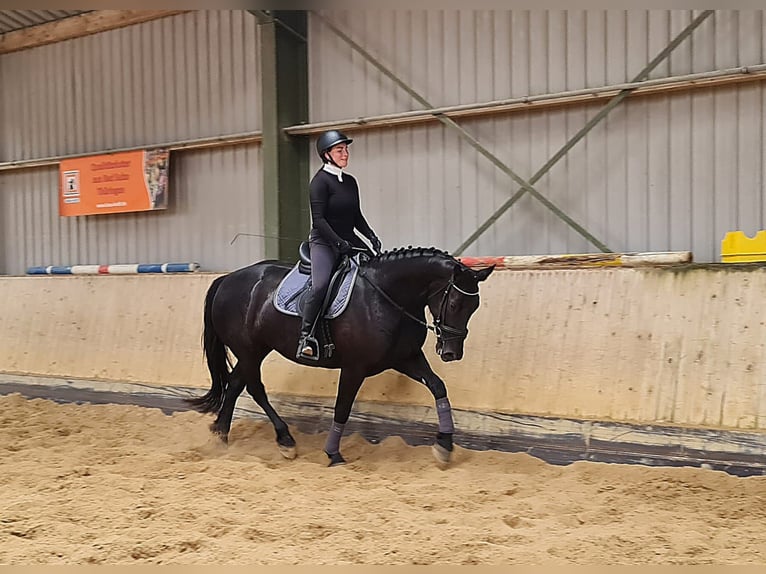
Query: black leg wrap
x=335 y=459
x=444 y=440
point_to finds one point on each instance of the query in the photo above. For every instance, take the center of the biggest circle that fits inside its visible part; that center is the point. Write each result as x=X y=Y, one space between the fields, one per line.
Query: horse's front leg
x=348 y=387
x=417 y=368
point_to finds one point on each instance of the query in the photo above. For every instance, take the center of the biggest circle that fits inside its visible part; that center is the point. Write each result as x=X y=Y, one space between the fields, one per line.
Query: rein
x=438 y=328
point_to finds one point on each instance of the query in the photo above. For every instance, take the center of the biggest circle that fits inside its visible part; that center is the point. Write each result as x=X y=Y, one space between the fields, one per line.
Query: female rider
x=335 y=213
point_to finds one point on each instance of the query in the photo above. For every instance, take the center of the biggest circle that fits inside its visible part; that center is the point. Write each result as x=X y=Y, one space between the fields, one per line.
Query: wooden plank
x=77 y=26
x=533 y=104
x=581 y=260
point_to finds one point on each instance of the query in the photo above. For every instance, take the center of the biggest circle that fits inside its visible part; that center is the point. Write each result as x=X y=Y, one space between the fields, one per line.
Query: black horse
x=383 y=327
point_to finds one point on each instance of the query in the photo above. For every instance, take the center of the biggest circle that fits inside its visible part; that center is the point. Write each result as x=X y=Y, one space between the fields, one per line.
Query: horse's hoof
x=222 y=436
x=289 y=452
x=336 y=459
x=441 y=454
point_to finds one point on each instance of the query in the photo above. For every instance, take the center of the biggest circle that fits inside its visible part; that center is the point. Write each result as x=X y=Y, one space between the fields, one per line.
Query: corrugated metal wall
x=178 y=78
x=661 y=173
x=215 y=194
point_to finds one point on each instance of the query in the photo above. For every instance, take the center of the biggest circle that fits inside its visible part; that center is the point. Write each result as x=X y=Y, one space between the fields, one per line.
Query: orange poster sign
x=114 y=183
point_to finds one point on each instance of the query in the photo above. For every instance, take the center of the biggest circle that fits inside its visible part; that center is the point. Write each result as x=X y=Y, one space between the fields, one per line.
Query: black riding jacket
x=335 y=209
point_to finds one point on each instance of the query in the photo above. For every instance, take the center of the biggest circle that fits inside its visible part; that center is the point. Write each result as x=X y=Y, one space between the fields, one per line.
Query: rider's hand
x=344 y=247
x=376 y=245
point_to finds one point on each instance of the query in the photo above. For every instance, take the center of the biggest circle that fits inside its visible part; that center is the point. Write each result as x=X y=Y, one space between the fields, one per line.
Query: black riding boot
x=310 y=312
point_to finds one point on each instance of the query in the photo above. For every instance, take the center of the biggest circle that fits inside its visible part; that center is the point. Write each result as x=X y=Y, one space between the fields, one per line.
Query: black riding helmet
x=329 y=139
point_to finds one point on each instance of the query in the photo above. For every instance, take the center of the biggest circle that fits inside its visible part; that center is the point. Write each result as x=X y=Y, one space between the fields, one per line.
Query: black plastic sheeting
x=554 y=448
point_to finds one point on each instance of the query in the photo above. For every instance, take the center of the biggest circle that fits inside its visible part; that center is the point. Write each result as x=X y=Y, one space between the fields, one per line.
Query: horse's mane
x=410 y=252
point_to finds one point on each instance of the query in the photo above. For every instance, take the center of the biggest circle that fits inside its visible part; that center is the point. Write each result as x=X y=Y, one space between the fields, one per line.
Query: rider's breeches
x=322 y=265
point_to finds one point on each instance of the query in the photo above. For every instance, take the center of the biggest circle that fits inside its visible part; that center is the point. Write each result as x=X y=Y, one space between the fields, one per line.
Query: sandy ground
x=108 y=484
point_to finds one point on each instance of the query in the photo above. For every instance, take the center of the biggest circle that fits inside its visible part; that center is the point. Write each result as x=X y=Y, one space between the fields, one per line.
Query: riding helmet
x=329 y=139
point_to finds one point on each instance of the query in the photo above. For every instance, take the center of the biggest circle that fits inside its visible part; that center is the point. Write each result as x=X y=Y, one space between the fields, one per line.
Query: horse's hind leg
x=222 y=423
x=417 y=368
x=285 y=441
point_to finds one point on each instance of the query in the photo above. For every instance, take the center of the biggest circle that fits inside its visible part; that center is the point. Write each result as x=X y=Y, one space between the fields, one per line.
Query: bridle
x=443 y=331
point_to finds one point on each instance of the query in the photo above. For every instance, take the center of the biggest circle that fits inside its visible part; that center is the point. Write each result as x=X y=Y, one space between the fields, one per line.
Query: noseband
x=443 y=332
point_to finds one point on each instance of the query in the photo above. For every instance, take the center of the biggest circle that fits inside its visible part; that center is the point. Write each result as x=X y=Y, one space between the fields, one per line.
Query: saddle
x=292 y=290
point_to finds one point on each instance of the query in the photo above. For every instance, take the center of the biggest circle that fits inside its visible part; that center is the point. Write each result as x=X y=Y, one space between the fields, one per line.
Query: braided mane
x=410 y=252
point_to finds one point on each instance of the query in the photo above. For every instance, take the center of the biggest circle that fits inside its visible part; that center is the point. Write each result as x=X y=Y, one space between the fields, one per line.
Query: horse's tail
x=217 y=359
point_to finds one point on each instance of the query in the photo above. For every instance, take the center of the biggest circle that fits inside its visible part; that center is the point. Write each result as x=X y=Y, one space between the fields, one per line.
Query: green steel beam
x=642 y=75
x=284 y=102
x=463 y=134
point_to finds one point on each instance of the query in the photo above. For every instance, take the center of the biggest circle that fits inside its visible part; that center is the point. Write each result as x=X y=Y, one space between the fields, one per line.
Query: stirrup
x=308 y=348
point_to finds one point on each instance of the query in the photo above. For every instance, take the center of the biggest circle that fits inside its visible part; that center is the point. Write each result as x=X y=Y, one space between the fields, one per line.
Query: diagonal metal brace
x=526 y=186
x=642 y=75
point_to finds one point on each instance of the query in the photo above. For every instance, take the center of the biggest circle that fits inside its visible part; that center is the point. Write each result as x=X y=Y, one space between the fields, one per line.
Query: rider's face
x=339 y=154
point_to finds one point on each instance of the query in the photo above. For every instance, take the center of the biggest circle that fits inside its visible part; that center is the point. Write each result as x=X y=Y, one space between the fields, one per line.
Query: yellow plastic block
x=737 y=247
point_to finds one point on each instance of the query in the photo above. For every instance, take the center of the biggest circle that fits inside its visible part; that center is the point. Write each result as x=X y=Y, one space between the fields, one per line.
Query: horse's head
x=452 y=306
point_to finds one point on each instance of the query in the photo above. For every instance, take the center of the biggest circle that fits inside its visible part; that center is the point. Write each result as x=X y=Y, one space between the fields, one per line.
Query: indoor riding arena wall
x=679 y=346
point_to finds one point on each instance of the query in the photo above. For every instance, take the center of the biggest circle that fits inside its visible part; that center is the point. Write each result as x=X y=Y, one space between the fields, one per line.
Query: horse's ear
x=482 y=274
